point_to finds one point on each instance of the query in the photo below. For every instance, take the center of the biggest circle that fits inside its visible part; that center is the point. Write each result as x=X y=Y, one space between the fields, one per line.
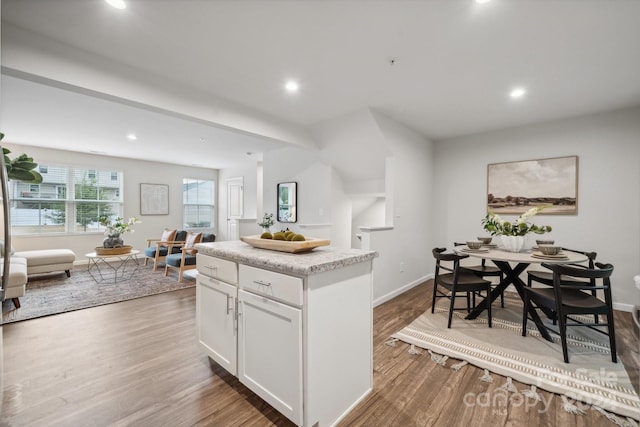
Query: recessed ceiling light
x=482 y=1
x=517 y=92
x=118 y=4
x=132 y=136
x=292 y=86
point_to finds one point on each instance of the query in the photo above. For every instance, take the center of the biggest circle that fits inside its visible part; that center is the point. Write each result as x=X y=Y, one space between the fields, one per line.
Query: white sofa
x=17 y=283
x=48 y=260
x=26 y=263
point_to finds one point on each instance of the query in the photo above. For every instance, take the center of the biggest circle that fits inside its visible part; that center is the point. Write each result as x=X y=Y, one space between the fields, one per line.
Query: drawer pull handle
x=261 y=283
x=229 y=309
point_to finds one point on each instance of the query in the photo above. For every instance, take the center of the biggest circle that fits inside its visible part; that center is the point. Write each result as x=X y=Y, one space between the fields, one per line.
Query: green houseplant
x=22 y=168
x=512 y=234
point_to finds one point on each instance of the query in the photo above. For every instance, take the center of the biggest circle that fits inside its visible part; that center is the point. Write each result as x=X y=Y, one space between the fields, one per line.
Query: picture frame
x=154 y=199
x=287 y=203
x=515 y=187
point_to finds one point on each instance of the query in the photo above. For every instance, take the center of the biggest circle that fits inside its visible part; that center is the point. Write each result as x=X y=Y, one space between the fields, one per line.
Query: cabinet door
x=270 y=352
x=216 y=321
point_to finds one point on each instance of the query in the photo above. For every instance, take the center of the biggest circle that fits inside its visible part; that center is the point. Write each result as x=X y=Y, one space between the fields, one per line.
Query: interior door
x=235 y=206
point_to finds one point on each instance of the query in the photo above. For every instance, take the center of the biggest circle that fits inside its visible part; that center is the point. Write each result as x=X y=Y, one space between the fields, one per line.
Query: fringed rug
x=589 y=380
x=54 y=294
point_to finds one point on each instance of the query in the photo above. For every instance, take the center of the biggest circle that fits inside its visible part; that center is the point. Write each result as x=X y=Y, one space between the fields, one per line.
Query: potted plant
x=22 y=168
x=512 y=234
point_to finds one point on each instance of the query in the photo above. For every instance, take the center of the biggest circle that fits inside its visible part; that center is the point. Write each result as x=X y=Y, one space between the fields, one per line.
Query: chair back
x=599 y=272
x=191 y=240
x=591 y=255
x=483 y=262
x=167 y=236
x=440 y=255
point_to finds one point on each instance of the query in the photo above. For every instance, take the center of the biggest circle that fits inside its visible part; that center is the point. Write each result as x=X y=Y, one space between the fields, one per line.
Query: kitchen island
x=296 y=329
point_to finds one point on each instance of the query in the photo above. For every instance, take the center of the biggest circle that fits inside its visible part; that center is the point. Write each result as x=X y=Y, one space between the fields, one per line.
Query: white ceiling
x=455 y=62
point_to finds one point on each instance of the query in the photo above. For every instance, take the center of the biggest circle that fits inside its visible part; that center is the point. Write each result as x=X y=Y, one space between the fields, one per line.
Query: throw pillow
x=168 y=236
x=192 y=239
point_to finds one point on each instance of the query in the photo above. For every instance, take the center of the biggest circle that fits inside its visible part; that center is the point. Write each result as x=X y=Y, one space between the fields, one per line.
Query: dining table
x=513 y=264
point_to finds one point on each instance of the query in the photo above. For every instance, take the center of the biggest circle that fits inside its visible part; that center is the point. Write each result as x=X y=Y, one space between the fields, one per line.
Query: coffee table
x=123 y=266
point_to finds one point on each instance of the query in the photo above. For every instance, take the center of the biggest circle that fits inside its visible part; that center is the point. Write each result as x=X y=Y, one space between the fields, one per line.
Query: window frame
x=187 y=203
x=63 y=186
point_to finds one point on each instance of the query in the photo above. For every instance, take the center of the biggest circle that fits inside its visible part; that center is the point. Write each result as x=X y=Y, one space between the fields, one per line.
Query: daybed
x=26 y=263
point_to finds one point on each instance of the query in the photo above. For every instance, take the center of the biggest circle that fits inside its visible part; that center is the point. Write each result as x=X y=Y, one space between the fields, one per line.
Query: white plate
x=474 y=250
x=543 y=256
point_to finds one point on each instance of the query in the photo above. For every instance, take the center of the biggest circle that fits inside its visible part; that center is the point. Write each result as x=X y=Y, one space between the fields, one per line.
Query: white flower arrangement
x=117 y=226
x=499 y=227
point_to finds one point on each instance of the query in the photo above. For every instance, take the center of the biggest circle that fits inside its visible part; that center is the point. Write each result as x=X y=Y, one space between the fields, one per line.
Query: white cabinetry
x=270 y=352
x=302 y=342
x=216 y=319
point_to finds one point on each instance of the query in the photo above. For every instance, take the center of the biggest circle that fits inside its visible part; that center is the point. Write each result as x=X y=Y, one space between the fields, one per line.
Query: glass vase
x=114 y=241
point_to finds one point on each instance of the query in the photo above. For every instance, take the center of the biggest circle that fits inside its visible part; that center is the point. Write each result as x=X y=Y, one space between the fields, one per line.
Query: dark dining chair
x=453 y=278
x=575 y=297
x=483 y=270
x=546 y=277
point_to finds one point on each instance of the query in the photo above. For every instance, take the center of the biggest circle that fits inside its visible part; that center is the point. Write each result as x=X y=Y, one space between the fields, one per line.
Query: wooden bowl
x=544 y=242
x=549 y=249
x=485 y=240
x=474 y=244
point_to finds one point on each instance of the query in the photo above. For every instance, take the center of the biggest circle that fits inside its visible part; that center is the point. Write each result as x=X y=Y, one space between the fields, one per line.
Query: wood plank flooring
x=136 y=363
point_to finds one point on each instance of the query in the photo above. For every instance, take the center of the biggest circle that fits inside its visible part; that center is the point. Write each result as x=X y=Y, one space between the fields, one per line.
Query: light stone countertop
x=319 y=260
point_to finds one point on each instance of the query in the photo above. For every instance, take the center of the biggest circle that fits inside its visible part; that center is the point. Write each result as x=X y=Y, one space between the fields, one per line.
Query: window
x=69 y=200
x=198 y=203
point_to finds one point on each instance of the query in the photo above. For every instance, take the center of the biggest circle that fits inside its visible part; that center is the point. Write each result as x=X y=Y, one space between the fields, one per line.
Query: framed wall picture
x=154 y=199
x=287 y=202
x=515 y=187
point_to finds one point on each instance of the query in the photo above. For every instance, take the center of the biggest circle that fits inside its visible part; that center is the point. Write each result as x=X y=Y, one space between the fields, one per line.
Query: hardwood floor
x=137 y=363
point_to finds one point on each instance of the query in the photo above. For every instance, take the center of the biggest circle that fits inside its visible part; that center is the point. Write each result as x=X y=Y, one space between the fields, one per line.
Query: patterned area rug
x=53 y=294
x=589 y=380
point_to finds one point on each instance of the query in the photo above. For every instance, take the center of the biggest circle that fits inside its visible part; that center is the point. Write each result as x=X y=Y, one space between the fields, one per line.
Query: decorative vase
x=512 y=243
x=114 y=241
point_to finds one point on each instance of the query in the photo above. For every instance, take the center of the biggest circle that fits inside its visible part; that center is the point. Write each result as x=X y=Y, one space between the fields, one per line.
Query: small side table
x=124 y=266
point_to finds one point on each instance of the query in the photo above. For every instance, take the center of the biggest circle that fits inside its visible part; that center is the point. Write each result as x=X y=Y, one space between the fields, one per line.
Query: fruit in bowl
x=474 y=244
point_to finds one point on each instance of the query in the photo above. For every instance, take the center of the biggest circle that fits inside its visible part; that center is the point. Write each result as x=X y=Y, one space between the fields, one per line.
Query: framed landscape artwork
x=515 y=187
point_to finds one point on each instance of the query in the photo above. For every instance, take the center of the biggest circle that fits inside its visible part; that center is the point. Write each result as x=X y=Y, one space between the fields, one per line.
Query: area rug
x=590 y=379
x=53 y=294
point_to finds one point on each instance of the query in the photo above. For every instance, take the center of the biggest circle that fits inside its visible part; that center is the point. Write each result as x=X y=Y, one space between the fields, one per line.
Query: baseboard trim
x=401 y=290
x=622 y=307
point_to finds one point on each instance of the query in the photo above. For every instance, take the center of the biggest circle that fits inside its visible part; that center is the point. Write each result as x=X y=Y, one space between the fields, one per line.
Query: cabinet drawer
x=268 y=283
x=222 y=269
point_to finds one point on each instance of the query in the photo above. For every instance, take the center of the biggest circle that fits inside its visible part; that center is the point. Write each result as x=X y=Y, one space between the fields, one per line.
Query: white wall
x=608 y=147
x=409 y=205
x=406 y=165
x=135 y=173
x=314 y=180
x=371 y=215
